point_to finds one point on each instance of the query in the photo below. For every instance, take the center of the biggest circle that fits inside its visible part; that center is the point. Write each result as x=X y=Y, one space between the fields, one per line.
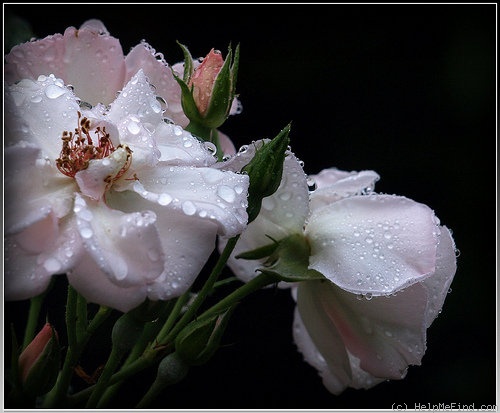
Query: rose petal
x=32 y=59
x=187 y=240
x=48 y=108
x=22 y=280
x=202 y=192
x=137 y=99
x=144 y=57
x=189 y=243
x=179 y=147
x=126 y=247
x=319 y=340
x=96 y=287
x=95 y=64
x=333 y=184
x=387 y=334
x=439 y=283
x=375 y=244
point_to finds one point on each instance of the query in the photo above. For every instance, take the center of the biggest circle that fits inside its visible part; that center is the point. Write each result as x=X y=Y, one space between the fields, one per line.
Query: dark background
x=406 y=90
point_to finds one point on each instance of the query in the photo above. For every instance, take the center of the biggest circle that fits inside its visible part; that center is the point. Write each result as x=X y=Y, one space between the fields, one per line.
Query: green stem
x=205 y=290
x=143 y=362
x=150 y=331
x=56 y=396
x=111 y=365
x=31 y=324
x=255 y=284
x=179 y=304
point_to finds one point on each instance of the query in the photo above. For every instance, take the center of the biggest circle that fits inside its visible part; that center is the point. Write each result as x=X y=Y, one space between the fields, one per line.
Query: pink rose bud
x=203 y=79
x=34 y=350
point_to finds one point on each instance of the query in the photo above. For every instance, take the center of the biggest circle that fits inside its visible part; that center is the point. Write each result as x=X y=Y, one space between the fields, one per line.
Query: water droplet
x=133 y=127
x=154 y=255
x=268 y=203
x=163 y=103
x=188 y=208
x=164 y=199
x=52 y=265
x=53 y=91
x=243 y=149
x=226 y=193
x=210 y=147
x=86 y=232
x=36 y=99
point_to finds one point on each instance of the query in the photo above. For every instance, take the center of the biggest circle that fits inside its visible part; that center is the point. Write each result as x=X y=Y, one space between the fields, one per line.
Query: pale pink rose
x=387 y=264
x=136 y=219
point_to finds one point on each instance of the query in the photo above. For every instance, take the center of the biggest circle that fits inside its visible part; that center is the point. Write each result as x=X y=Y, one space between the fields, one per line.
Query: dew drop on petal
x=53 y=91
x=226 y=193
x=86 y=232
x=188 y=208
x=164 y=199
x=133 y=128
x=52 y=265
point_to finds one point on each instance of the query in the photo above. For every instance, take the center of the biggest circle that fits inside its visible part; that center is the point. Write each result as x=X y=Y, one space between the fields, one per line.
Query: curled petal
x=386 y=334
x=321 y=345
x=206 y=193
x=144 y=57
x=376 y=244
x=188 y=242
x=100 y=173
x=333 y=184
x=126 y=247
x=439 y=283
x=93 y=284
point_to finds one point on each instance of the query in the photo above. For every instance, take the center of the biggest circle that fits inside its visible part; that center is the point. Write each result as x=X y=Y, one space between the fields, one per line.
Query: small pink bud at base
x=34 y=350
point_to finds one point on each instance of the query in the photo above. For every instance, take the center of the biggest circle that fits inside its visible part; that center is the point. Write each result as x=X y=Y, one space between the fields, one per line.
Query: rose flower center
x=78 y=149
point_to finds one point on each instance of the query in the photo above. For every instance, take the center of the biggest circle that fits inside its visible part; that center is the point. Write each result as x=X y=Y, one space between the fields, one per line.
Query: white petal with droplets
x=375 y=244
x=207 y=193
x=125 y=246
x=333 y=184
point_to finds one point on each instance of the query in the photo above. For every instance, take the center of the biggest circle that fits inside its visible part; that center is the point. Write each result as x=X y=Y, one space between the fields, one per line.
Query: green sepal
x=188 y=62
x=288 y=260
x=258 y=253
x=43 y=373
x=197 y=343
x=265 y=171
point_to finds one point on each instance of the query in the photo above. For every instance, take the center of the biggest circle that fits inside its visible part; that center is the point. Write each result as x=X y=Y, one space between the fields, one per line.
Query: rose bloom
x=387 y=265
x=99 y=184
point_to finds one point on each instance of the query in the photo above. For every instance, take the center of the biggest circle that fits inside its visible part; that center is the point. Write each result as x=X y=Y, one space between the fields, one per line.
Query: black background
x=406 y=90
